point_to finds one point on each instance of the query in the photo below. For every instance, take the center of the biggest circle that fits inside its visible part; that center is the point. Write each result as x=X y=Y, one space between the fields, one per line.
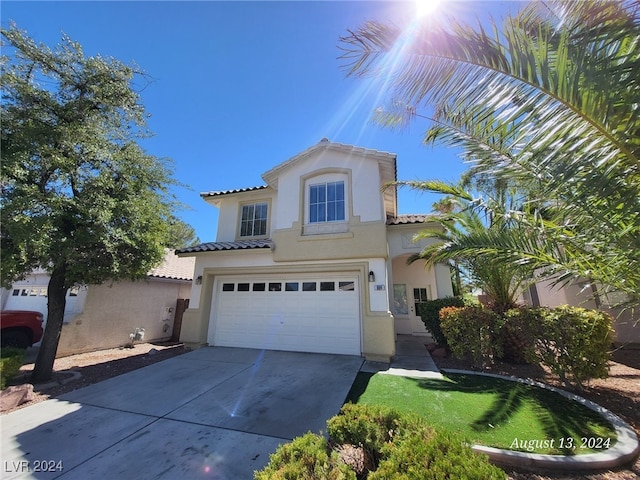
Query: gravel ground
x=77 y=371
x=620 y=393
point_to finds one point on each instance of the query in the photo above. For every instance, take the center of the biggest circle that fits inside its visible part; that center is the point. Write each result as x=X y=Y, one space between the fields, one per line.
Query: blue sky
x=238 y=87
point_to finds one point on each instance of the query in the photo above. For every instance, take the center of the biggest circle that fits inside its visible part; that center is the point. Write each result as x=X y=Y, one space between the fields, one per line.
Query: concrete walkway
x=411 y=360
x=215 y=412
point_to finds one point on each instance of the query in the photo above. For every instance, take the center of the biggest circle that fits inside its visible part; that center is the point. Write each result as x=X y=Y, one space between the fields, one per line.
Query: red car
x=20 y=328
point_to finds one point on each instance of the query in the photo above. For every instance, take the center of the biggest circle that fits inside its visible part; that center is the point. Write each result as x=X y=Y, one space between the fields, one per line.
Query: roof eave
x=237 y=246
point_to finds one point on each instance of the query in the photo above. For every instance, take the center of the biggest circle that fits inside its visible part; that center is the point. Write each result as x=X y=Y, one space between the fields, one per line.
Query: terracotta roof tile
x=229 y=192
x=218 y=246
x=406 y=219
x=174 y=267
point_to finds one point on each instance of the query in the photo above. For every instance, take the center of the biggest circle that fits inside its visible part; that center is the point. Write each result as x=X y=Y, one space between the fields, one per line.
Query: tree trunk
x=56 y=301
x=456 y=267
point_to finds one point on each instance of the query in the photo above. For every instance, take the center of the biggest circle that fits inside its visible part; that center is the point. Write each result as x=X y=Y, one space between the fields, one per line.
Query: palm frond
x=548 y=101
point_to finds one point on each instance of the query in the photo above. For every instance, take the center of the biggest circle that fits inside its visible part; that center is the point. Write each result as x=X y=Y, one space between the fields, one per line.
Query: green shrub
x=574 y=343
x=518 y=334
x=439 y=457
x=429 y=311
x=367 y=426
x=11 y=359
x=306 y=458
x=472 y=332
x=406 y=446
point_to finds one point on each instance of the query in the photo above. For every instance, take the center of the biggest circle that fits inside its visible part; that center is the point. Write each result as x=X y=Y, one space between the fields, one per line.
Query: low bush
x=574 y=343
x=406 y=446
x=307 y=457
x=429 y=313
x=472 y=332
x=519 y=332
x=443 y=456
x=370 y=427
x=11 y=359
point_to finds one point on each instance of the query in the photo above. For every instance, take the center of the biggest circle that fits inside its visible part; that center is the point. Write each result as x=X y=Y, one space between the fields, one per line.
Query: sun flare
x=425 y=7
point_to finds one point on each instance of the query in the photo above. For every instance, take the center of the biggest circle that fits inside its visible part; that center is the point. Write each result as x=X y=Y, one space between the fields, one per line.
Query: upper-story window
x=326 y=202
x=253 y=222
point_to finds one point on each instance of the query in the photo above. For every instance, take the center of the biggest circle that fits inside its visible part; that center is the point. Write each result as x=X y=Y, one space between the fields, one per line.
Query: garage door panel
x=274 y=318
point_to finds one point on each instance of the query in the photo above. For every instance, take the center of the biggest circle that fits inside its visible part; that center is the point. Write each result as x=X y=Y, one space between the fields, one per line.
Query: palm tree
x=464 y=223
x=549 y=101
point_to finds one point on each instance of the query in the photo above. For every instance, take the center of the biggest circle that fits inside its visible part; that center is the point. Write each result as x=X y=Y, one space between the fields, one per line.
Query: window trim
x=254 y=203
x=327 y=202
x=319 y=177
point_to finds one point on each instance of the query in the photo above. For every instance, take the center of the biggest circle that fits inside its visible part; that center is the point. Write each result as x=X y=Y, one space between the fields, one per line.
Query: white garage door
x=296 y=313
x=28 y=297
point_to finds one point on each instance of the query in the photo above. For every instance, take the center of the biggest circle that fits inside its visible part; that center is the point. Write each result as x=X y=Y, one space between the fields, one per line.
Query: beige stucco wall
x=362 y=240
x=113 y=311
x=357 y=244
x=413 y=276
x=625 y=323
x=437 y=280
x=627 y=327
x=553 y=296
x=378 y=337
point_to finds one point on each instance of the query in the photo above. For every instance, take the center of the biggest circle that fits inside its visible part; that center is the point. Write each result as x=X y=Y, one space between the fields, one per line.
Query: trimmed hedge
x=472 y=332
x=429 y=313
x=399 y=446
x=572 y=342
x=11 y=359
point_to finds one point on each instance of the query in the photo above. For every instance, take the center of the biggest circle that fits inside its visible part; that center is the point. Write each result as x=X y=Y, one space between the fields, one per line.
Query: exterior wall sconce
x=372 y=276
x=199 y=280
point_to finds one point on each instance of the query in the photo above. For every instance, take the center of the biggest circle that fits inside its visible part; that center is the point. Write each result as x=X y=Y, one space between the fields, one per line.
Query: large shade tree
x=80 y=197
x=550 y=100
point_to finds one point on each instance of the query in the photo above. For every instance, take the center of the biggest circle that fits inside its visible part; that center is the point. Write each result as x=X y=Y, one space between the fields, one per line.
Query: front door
x=420 y=295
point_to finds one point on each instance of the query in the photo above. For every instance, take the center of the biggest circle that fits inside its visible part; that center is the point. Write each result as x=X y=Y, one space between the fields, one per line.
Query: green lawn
x=491 y=411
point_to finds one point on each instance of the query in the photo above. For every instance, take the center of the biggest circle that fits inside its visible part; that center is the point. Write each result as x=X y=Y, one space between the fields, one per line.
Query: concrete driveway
x=214 y=413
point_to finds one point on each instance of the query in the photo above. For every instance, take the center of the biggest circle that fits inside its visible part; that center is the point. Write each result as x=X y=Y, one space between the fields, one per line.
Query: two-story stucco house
x=313 y=261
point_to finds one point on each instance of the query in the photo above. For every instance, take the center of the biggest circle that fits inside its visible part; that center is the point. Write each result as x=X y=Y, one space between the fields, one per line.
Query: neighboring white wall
x=114 y=311
x=443 y=281
x=4 y=294
x=32 y=295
